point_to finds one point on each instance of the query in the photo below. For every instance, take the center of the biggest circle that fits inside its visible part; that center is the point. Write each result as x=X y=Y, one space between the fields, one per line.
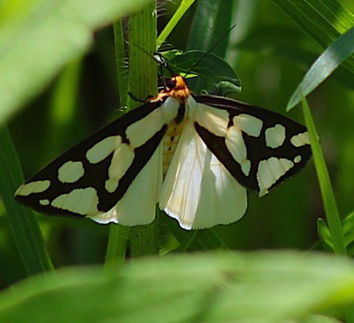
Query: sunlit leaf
x=51 y=34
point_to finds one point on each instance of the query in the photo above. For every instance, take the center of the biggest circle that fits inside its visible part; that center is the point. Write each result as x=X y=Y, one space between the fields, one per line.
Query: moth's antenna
x=210 y=49
x=161 y=61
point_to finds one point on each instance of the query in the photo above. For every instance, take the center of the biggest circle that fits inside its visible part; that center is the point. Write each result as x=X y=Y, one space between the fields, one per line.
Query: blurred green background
x=271 y=53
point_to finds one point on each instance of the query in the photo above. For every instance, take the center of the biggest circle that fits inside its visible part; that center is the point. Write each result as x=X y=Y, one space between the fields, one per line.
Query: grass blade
x=329 y=60
x=23 y=224
x=329 y=201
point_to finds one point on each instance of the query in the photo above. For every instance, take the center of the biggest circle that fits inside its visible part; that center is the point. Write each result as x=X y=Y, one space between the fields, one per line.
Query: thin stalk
x=141 y=82
x=182 y=9
x=329 y=201
x=144 y=240
x=118 y=234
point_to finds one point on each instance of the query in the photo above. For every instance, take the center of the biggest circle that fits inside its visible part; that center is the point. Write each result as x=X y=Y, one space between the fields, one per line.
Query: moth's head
x=176 y=82
x=177 y=87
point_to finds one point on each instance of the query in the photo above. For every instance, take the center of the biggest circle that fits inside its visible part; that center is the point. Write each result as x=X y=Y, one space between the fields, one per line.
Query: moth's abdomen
x=172 y=137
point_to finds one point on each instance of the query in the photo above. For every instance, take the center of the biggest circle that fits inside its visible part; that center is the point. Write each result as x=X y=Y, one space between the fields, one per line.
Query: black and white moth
x=193 y=155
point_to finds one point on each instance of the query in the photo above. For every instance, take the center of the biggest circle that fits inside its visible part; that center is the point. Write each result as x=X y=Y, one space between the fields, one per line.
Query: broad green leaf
x=326 y=63
x=214 y=287
x=209 y=31
x=214 y=75
x=212 y=20
x=51 y=34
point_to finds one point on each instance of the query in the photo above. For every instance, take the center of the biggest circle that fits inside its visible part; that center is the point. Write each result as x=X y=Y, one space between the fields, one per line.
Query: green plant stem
x=118 y=234
x=141 y=82
x=142 y=44
x=144 y=240
x=122 y=72
x=117 y=241
x=329 y=201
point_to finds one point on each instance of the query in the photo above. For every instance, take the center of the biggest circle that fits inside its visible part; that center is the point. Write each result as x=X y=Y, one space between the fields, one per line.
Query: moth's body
x=193 y=155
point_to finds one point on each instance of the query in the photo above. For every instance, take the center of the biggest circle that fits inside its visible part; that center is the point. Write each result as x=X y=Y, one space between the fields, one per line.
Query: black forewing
x=95 y=174
x=257 y=149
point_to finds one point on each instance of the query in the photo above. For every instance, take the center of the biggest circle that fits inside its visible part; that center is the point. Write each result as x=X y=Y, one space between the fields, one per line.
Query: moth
x=194 y=155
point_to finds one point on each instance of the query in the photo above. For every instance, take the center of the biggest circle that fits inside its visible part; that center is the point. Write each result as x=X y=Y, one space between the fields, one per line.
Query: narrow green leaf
x=324 y=234
x=282 y=42
x=348 y=228
x=329 y=200
x=214 y=287
x=323 y=20
x=51 y=34
x=23 y=224
x=326 y=63
x=172 y=23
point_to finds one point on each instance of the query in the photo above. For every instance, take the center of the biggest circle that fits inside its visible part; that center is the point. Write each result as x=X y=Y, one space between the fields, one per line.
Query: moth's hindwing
x=260 y=148
x=90 y=178
x=198 y=190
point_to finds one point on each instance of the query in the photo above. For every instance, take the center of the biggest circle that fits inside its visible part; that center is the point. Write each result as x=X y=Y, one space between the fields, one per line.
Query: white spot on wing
x=44 y=202
x=120 y=163
x=248 y=124
x=82 y=201
x=103 y=149
x=275 y=136
x=237 y=147
x=297 y=159
x=138 y=204
x=70 y=172
x=269 y=171
x=139 y=132
x=33 y=187
x=246 y=167
x=214 y=120
x=300 y=139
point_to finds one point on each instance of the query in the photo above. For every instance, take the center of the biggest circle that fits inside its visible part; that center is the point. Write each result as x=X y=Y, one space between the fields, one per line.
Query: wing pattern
x=90 y=178
x=210 y=150
x=260 y=148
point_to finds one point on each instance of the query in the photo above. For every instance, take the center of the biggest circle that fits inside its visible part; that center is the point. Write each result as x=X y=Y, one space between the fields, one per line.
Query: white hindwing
x=198 y=190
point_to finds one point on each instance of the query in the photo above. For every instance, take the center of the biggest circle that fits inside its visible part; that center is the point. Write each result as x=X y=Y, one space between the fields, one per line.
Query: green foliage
x=324 y=66
x=22 y=221
x=211 y=75
x=67 y=80
x=220 y=287
x=48 y=36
